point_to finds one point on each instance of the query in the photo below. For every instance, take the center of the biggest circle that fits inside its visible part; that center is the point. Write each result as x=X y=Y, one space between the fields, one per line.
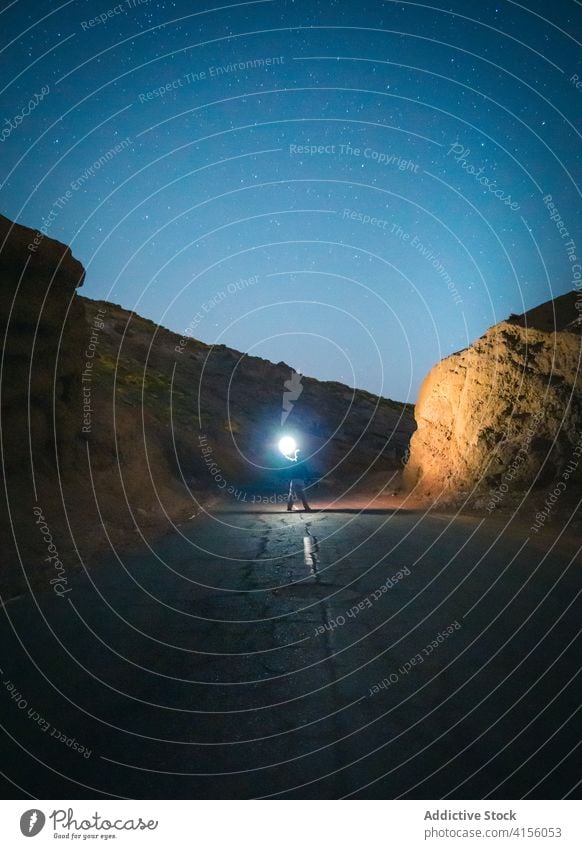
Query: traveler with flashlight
x=296 y=473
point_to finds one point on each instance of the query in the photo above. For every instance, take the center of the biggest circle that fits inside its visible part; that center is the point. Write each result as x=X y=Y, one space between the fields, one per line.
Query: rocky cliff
x=42 y=329
x=504 y=413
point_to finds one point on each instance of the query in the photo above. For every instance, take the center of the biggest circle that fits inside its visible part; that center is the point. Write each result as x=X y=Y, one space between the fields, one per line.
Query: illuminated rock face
x=509 y=406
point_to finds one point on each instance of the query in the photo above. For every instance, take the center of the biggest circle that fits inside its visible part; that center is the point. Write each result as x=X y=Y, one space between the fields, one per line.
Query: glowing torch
x=288 y=447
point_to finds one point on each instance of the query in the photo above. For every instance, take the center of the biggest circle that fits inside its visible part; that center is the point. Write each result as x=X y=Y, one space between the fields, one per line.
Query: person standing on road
x=298 y=474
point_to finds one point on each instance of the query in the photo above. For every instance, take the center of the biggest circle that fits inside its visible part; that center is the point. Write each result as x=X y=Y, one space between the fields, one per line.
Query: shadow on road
x=372 y=511
x=314 y=512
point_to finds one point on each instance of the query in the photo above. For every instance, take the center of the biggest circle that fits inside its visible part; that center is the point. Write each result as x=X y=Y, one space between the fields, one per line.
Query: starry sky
x=355 y=188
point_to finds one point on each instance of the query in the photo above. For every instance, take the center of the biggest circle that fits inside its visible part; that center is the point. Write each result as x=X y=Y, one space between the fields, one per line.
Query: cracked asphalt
x=257 y=653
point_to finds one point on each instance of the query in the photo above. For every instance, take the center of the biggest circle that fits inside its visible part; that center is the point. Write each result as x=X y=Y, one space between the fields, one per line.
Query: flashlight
x=288 y=447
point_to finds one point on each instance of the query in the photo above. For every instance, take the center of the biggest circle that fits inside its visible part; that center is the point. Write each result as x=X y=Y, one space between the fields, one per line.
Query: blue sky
x=355 y=189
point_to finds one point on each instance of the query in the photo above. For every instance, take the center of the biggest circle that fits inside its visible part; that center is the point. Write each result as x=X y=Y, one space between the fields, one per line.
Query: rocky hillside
x=506 y=412
x=114 y=428
x=205 y=401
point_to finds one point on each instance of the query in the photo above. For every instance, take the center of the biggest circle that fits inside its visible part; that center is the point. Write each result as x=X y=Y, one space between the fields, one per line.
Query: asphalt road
x=256 y=653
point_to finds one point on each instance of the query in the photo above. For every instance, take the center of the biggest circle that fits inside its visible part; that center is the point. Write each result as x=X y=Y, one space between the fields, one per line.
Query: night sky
x=355 y=188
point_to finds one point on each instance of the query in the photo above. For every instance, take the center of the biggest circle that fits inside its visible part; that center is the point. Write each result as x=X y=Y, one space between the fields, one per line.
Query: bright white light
x=287 y=446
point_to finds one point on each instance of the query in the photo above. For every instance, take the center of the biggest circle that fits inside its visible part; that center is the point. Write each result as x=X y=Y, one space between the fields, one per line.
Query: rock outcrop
x=507 y=411
x=42 y=330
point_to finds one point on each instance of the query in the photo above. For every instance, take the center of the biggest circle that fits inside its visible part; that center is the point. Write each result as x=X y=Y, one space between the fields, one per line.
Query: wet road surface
x=255 y=653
